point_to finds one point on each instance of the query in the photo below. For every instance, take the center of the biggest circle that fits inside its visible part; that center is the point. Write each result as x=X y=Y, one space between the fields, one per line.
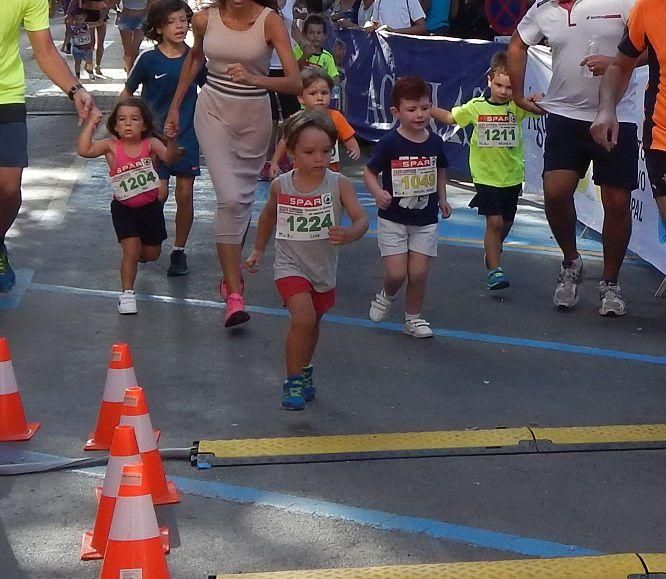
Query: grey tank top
x=315 y=260
x=223 y=46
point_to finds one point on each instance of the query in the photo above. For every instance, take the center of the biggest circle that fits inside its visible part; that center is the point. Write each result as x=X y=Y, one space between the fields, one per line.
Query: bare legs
x=412 y=267
x=10 y=197
x=133 y=251
x=131 y=42
x=303 y=333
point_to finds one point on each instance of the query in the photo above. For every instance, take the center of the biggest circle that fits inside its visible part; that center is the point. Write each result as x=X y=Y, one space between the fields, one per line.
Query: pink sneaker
x=223 y=288
x=235 y=314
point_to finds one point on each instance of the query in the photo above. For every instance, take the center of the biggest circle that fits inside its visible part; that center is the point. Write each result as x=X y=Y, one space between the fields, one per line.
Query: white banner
x=648 y=238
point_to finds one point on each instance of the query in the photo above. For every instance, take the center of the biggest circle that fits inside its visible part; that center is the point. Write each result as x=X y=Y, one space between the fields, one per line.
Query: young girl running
x=306 y=205
x=158 y=71
x=136 y=207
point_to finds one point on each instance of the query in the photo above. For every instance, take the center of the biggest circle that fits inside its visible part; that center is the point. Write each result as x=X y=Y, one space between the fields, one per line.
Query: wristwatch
x=72 y=91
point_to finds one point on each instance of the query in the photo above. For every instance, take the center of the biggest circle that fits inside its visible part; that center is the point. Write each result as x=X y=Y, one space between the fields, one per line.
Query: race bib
x=497 y=131
x=414 y=176
x=135 y=180
x=82 y=39
x=304 y=218
x=335 y=155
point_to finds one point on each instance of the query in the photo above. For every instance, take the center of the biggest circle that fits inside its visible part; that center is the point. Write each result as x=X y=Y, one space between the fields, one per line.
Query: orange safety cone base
x=92 y=444
x=19 y=436
x=89 y=553
x=170 y=497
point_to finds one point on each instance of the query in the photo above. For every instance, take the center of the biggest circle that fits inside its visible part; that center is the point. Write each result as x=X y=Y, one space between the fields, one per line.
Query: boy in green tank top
x=496 y=160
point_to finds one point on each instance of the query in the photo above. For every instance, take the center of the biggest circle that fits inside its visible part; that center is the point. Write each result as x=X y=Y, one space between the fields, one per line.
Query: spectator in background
x=365 y=12
x=403 y=16
x=437 y=16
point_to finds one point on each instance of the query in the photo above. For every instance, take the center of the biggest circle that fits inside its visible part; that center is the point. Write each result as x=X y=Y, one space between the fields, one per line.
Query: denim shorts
x=130 y=23
x=82 y=54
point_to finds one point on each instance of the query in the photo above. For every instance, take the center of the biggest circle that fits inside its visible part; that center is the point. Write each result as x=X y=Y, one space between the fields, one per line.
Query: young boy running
x=412 y=192
x=496 y=160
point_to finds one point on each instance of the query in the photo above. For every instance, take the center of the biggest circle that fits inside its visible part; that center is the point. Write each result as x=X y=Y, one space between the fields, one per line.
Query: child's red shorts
x=292 y=285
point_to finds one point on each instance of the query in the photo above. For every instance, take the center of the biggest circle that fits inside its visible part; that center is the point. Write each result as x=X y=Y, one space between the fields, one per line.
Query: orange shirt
x=646 y=30
x=345 y=132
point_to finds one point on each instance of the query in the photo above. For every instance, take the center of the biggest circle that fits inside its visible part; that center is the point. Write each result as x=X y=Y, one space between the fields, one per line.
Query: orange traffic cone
x=124 y=451
x=13 y=425
x=134 y=548
x=135 y=413
x=119 y=377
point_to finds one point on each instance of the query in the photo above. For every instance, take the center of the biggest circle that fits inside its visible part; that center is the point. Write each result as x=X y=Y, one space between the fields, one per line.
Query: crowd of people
x=254 y=63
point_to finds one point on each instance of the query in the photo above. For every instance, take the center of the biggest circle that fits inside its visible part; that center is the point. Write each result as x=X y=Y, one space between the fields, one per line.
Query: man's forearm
x=517 y=62
x=613 y=86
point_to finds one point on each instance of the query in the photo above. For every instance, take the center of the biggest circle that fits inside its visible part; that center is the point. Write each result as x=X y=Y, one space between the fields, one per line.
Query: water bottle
x=592 y=48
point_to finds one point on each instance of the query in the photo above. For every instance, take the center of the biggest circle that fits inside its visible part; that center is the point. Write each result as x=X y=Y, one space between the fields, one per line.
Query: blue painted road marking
x=328 y=510
x=366 y=323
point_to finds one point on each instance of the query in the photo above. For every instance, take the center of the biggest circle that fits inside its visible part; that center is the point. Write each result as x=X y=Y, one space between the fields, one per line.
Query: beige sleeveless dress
x=233 y=121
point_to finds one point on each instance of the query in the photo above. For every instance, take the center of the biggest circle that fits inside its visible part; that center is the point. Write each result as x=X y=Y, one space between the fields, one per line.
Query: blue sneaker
x=7 y=275
x=292 y=394
x=309 y=390
x=496 y=279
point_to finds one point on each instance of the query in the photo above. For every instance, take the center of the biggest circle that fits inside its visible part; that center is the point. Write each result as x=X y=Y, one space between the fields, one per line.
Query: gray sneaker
x=178 y=263
x=612 y=302
x=566 y=290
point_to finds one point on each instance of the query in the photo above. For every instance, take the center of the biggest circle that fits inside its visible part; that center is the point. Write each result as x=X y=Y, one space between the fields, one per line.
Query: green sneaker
x=292 y=394
x=496 y=279
x=7 y=275
x=309 y=390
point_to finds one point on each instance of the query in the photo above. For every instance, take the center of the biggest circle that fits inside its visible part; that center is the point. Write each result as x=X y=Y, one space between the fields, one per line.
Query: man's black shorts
x=13 y=136
x=655 y=162
x=287 y=104
x=570 y=146
x=497 y=200
x=145 y=222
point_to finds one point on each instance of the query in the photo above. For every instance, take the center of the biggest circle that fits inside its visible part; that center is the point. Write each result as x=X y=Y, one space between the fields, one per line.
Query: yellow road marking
x=603 y=434
x=602 y=567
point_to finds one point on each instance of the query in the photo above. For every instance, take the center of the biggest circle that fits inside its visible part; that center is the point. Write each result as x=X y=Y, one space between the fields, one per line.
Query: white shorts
x=396 y=238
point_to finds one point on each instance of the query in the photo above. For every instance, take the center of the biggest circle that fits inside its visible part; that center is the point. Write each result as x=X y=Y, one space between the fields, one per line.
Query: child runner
x=306 y=204
x=413 y=190
x=312 y=52
x=82 y=44
x=316 y=95
x=496 y=160
x=158 y=71
x=136 y=207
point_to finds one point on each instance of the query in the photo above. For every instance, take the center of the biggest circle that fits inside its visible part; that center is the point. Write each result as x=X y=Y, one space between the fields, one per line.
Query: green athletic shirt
x=324 y=60
x=32 y=15
x=500 y=163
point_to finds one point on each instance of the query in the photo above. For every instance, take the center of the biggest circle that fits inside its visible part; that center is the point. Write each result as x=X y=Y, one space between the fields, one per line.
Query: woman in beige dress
x=233 y=117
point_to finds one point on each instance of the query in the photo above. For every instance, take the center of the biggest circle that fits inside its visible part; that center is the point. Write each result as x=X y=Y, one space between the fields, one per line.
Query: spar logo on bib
x=307 y=202
x=144 y=163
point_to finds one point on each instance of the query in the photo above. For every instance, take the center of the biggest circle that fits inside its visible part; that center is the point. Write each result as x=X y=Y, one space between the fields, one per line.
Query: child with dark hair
x=311 y=52
x=82 y=43
x=496 y=160
x=316 y=95
x=306 y=205
x=158 y=71
x=136 y=208
x=410 y=197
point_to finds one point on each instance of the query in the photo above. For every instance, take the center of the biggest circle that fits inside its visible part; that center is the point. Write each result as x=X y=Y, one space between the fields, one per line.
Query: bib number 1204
x=314 y=224
x=137 y=181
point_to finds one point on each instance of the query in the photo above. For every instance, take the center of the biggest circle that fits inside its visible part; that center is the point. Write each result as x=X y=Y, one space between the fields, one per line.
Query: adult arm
x=53 y=66
x=517 y=53
x=418 y=27
x=614 y=84
x=443 y=116
x=338 y=235
x=194 y=62
x=278 y=38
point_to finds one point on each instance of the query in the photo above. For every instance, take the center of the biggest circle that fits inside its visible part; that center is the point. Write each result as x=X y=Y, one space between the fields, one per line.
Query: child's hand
x=445 y=208
x=338 y=235
x=274 y=171
x=253 y=261
x=94 y=118
x=354 y=152
x=383 y=199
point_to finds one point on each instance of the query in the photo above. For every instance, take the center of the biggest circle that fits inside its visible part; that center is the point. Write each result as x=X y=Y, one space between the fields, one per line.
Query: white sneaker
x=127 y=303
x=612 y=302
x=417 y=328
x=379 y=307
x=566 y=291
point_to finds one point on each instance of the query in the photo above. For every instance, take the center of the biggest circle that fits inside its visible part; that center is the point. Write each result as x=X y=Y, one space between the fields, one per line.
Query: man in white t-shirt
x=583 y=35
x=403 y=16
